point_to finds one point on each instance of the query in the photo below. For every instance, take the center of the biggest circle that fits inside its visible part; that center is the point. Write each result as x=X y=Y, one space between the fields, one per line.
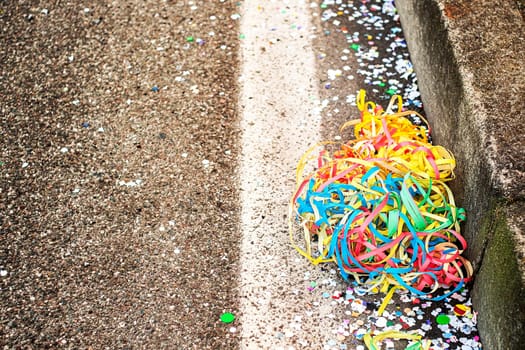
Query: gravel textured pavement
x=145 y=172
x=118 y=149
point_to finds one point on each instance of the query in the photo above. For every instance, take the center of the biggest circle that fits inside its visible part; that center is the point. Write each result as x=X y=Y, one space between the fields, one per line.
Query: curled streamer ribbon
x=379 y=206
x=372 y=341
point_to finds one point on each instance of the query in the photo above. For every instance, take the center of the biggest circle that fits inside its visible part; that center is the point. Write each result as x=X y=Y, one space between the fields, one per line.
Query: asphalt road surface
x=119 y=147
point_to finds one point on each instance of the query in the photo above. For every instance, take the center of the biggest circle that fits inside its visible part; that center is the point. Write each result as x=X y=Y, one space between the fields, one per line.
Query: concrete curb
x=469 y=60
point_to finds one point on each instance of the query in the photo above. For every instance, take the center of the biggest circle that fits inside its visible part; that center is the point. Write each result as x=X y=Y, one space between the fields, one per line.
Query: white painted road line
x=279 y=104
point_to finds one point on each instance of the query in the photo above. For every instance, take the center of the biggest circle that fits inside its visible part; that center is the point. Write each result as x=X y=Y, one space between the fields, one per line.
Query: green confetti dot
x=227 y=317
x=190 y=39
x=355 y=47
x=391 y=92
x=382 y=84
x=415 y=346
x=442 y=319
x=323 y=6
x=242 y=36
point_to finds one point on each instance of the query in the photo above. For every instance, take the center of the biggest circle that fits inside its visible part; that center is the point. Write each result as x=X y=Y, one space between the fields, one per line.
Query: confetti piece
x=461 y=310
x=227 y=317
x=443 y=319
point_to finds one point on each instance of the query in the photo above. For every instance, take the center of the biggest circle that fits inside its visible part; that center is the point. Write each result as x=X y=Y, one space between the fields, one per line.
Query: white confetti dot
x=381 y=322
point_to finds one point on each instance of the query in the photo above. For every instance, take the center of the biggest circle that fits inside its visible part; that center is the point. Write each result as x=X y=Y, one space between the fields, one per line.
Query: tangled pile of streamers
x=379 y=207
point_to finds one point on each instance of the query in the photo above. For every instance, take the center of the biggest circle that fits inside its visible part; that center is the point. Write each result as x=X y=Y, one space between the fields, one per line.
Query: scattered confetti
x=388 y=72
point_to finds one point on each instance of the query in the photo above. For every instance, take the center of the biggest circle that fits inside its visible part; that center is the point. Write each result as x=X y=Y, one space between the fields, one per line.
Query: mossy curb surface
x=467 y=57
x=499 y=292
